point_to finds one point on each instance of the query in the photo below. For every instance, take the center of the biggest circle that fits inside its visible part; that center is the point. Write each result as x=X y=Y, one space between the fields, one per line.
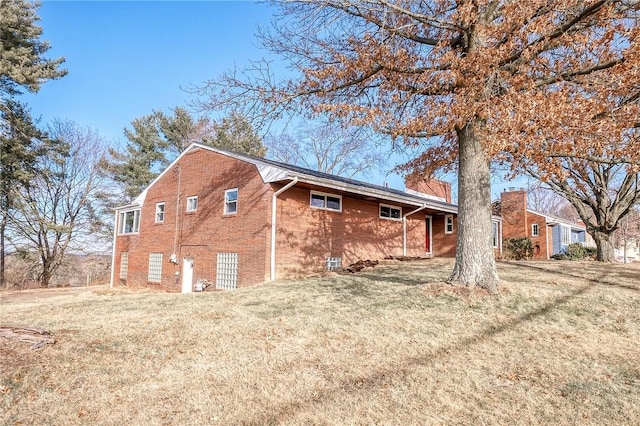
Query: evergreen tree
x=22 y=62
x=157 y=139
x=22 y=67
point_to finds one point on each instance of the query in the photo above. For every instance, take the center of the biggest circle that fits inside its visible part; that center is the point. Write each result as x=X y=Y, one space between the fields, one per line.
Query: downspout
x=404 y=228
x=272 y=274
x=113 y=250
x=500 y=238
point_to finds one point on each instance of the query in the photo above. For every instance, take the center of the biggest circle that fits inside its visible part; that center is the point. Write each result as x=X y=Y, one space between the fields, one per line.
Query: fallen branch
x=35 y=335
x=360 y=265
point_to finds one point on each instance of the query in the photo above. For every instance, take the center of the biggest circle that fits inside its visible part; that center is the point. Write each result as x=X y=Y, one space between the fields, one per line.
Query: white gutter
x=404 y=228
x=113 y=250
x=272 y=274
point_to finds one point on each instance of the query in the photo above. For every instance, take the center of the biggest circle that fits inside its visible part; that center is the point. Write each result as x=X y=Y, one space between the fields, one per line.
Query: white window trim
x=495 y=234
x=227 y=202
x=447 y=218
x=535 y=230
x=136 y=222
x=158 y=211
x=398 y=219
x=194 y=197
x=325 y=195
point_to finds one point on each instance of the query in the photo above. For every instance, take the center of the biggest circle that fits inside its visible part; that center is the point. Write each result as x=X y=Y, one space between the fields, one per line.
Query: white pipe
x=272 y=274
x=404 y=228
x=113 y=250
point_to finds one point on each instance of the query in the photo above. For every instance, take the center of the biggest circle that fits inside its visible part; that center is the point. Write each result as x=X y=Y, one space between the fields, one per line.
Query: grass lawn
x=560 y=344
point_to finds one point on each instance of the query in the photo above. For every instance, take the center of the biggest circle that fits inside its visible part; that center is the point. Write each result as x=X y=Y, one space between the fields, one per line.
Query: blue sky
x=126 y=58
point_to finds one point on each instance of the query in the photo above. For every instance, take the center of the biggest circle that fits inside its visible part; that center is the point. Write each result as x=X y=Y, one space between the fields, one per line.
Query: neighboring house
x=236 y=221
x=549 y=234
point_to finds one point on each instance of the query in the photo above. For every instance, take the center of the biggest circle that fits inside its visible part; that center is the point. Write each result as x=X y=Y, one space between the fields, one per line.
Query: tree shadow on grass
x=286 y=411
x=601 y=279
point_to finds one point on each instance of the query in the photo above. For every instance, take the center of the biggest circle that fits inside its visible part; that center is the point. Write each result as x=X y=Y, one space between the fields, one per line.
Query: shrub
x=576 y=251
x=560 y=256
x=519 y=248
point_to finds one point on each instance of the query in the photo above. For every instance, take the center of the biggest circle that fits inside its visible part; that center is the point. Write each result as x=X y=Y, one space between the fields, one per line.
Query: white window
x=231 y=201
x=448 y=224
x=124 y=265
x=159 y=212
x=129 y=222
x=494 y=233
x=565 y=235
x=155 y=267
x=390 y=212
x=192 y=204
x=324 y=201
x=534 y=230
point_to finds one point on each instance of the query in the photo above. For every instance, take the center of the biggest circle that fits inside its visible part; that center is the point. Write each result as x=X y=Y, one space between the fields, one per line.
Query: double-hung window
x=448 y=224
x=390 y=212
x=129 y=222
x=192 y=204
x=159 y=212
x=535 y=231
x=231 y=201
x=494 y=234
x=320 y=200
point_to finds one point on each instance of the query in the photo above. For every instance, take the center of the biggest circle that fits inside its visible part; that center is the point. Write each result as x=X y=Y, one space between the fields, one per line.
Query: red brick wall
x=307 y=236
x=444 y=245
x=207 y=231
x=539 y=242
x=517 y=222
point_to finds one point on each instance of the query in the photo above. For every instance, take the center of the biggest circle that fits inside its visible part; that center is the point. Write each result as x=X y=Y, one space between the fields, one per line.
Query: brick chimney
x=513 y=209
x=429 y=187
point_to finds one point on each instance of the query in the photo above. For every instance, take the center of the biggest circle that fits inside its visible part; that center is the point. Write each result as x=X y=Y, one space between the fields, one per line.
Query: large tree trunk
x=604 y=247
x=475 y=260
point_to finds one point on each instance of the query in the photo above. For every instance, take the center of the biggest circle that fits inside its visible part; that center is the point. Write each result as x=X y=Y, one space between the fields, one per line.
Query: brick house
x=236 y=221
x=549 y=234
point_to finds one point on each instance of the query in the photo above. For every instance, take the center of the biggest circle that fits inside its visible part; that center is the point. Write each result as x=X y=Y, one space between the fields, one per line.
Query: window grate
x=124 y=265
x=334 y=263
x=155 y=267
x=227 y=271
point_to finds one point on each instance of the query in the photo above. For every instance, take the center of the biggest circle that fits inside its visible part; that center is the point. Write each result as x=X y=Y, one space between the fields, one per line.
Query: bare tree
x=628 y=233
x=55 y=212
x=328 y=147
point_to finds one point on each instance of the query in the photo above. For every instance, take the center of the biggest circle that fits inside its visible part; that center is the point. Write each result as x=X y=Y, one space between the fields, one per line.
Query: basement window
x=333 y=263
x=390 y=212
x=320 y=200
x=124 y=265
x=227 y=271
x=155 y=268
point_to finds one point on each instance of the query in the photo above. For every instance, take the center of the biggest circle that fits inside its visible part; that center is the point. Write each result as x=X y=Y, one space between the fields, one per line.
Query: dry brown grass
x=391 y=345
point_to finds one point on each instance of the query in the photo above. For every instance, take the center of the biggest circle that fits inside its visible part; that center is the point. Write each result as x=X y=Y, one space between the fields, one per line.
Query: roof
x=273 y=171
x=554 y=220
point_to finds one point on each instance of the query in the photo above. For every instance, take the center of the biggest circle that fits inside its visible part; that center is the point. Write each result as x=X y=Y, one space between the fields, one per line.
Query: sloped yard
x=389 y=345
